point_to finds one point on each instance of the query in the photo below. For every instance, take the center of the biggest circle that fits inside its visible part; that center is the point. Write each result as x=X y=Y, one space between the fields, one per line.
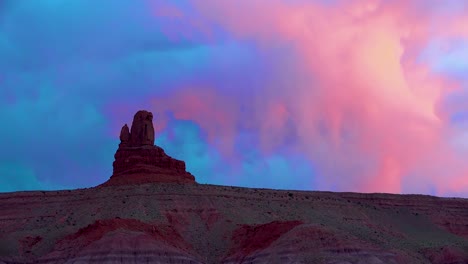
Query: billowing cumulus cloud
x=362 y=103
x=334 y=95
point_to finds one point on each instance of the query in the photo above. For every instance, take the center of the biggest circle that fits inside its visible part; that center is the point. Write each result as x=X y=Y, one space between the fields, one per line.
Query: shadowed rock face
x=124 y=136
x=138 y=160
x=142 y=132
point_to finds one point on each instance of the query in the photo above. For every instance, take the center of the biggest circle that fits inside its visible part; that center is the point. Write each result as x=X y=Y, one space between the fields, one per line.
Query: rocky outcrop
x=142 y=131
x=124 y=136
x=138 y=160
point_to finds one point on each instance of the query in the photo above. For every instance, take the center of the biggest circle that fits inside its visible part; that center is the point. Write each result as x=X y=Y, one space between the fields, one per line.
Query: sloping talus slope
x=193 y=223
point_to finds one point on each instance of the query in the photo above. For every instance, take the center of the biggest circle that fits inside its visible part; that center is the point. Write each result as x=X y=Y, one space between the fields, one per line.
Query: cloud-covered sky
x=364 y=95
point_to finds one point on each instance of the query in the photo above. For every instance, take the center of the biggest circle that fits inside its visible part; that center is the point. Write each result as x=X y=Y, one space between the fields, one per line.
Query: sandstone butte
x=151 y=210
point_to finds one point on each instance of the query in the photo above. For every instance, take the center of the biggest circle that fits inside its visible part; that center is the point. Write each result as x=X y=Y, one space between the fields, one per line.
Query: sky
x=342 y=95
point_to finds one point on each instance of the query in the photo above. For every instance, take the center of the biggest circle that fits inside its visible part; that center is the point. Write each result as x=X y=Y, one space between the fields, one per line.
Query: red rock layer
x=296 y=242
x=121 y=241
x=147 y=164
x=249 y=238
x=193 y=223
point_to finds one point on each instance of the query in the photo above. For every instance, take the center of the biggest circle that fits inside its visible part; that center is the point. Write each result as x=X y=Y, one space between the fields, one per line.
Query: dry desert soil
x=197 y=223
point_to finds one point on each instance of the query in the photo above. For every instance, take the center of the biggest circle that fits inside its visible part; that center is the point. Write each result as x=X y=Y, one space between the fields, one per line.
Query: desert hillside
x=193 y=223
x=152 y=210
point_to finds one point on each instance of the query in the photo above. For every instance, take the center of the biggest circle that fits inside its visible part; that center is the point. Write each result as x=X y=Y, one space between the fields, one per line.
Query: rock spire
x=142 y=132
x=139 y=161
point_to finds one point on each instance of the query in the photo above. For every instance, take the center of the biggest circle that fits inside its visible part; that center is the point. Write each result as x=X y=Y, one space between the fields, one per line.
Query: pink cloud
x=359 y=77
x=208 y=109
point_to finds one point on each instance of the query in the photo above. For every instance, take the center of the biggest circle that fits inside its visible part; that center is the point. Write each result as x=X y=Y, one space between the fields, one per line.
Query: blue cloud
x=277 y=172
x=45 y=129
x=15 y=177
x=62 y=65
x=448 y=57
x=184 y=140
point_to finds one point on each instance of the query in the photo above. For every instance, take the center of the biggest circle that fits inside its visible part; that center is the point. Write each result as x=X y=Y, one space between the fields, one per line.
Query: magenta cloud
x=367 y=109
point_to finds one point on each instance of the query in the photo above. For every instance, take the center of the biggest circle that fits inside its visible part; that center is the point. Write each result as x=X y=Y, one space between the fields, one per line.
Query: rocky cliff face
x=152 y=211
x=138 y=160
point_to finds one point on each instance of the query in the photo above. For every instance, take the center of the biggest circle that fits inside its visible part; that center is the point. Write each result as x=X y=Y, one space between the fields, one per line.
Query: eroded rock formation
x=138 y=160
x=142 y=132
x=124 y=136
